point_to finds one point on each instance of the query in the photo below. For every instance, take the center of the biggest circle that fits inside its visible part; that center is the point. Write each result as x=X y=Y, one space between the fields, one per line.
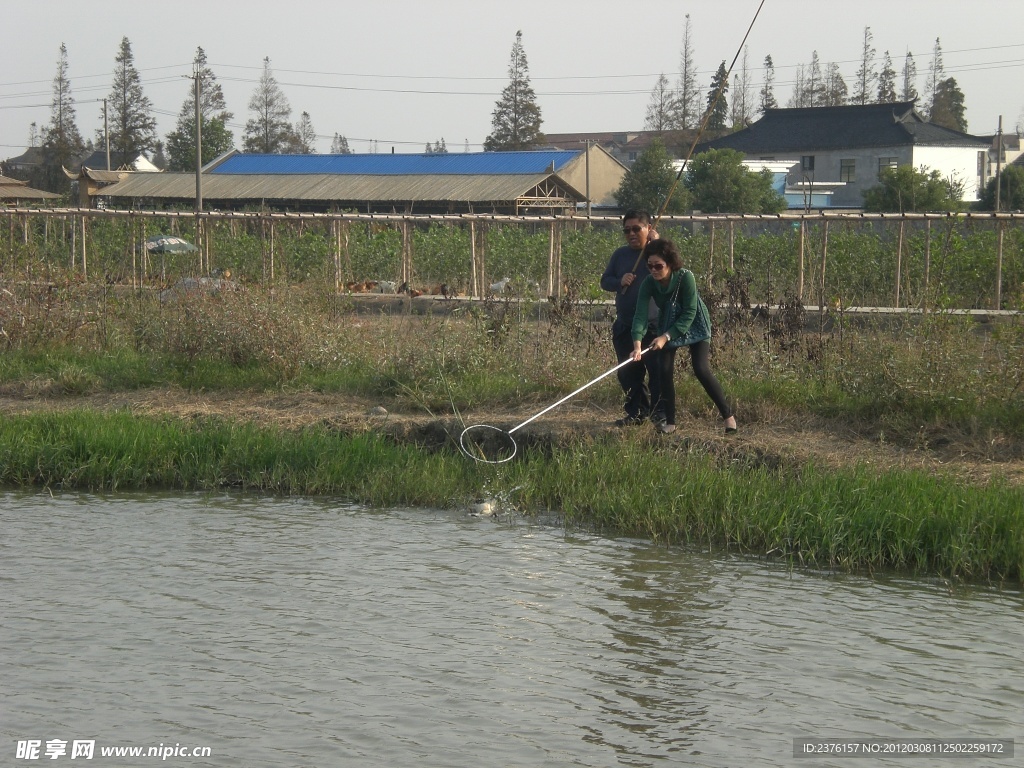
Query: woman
x=683 y=321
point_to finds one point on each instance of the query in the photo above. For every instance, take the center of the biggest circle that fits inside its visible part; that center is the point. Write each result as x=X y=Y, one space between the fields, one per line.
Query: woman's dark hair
x=667 y=250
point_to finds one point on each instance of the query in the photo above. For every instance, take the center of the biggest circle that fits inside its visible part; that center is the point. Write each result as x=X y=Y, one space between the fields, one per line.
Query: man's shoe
x=629 y=421
x=657 y=419
x=666 y=429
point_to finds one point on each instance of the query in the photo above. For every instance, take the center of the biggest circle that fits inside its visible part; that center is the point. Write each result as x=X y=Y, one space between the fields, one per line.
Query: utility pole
x=199 y=140
x=999 y=160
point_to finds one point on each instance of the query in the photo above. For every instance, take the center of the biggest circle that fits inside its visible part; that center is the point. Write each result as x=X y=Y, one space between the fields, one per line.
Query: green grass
x=851 y=519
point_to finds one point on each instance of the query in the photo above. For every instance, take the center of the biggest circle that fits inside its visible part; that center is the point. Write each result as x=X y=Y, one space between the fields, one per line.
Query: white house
x=844 y=148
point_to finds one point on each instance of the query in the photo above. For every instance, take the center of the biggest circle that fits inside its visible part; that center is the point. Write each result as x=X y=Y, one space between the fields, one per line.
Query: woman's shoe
x=730 y=425
x=666 y=429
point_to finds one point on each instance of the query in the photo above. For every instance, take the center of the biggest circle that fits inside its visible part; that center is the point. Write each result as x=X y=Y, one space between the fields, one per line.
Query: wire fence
x=954 y=261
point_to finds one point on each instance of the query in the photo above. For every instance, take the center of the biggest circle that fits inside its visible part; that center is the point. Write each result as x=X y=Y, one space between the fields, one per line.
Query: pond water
x=310 y=632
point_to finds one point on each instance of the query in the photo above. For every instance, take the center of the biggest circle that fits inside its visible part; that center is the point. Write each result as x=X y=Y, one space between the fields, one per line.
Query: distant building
x=19 y=193
x=843 y=149
x=541 y=181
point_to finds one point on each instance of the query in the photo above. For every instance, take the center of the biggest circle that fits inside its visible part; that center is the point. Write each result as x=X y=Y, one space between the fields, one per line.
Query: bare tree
x=742 y=106
x=661 y=106
x=687 y=106
x=866 y=75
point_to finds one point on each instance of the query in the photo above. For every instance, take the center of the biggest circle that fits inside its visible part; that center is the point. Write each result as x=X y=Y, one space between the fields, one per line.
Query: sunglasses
x=655 y=266
x=634 y=229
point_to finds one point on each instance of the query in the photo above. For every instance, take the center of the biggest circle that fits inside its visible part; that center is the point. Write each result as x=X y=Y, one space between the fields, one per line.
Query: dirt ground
x=765 y=439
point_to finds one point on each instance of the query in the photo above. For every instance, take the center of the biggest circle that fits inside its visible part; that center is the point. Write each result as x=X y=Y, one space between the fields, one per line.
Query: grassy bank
x=912 y=384
x=851 y=519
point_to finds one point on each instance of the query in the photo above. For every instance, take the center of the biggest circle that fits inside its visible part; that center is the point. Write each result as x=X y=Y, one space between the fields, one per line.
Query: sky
x=397 y=75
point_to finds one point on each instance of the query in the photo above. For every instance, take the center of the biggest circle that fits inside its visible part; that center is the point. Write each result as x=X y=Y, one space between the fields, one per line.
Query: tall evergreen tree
x=835 y=91
x=516 y=120
x=340 y=145
x=936 y=74
x=948 y=108
x=268 y=131
x=768 y=89
x=130 y=112
x=687 y=104
x=886 y=81
x=866 y=75
x=719 y=107
x=908 y=79
x=814 y=83
x=660 y=108
x=62 y=142
x=303 y=138
x=213 y=115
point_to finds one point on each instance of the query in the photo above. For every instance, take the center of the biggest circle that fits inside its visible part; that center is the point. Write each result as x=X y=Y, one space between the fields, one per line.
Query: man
x=625 y=271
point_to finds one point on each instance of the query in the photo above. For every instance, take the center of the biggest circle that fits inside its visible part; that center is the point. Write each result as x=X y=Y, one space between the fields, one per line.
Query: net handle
x=609 y=372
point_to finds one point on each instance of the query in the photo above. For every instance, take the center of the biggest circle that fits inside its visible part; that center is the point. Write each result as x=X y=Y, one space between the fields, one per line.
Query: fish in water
x=482 y=507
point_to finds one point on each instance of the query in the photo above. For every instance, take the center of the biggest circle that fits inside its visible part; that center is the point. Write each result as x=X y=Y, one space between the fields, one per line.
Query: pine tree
x=687 y=104
x=268 y=131
x=866 y=75
x=213 y=115
x=835 y=91
x=303 y=138
x=132 y=125
x=936 y=74
x=340 y=145
x=62 y=141
x=908 y=80
x=718 y=105
x=516 y=120
x=948 y=108
x=660 y=107
x=887 y=82
x=814 y=83
x=768 y=90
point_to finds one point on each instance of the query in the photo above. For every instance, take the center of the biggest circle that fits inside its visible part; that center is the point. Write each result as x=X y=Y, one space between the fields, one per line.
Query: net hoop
x=484 y=428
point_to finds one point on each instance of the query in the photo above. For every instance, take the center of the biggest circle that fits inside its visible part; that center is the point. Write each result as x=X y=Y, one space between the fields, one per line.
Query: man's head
x=635 y=226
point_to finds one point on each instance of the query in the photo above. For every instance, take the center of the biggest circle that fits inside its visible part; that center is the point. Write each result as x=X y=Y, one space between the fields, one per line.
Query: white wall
x=960 y=163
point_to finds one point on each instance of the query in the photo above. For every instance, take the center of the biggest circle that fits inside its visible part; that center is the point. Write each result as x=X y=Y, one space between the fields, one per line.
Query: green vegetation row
x=945 y=263
x=850 y=519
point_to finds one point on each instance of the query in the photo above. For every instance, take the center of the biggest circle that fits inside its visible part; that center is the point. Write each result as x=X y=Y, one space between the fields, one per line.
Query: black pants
x=633 y=378
x=664 y=361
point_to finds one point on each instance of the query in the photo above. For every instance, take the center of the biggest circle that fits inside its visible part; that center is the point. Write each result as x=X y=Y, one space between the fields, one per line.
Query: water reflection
x=308 y=632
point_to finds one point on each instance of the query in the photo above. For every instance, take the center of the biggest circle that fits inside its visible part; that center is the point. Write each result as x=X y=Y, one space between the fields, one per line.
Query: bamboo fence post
x=732 y=243
x=551 y=259
x=336 y=237
x=824 y=259
x=85 y=266
x=800 y=277
x=927 y=259
x=999 y=265
x=133 y=244
x=474 y=287
x=899 y=261
x=711 y=259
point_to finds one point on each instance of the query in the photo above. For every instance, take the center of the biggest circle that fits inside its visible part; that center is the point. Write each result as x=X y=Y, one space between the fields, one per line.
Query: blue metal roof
x=451 y=164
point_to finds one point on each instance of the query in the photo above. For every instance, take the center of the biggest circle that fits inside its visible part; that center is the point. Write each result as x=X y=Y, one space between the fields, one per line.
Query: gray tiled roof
x=834 y=128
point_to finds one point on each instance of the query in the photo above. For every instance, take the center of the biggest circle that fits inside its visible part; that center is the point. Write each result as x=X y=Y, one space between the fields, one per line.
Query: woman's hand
x=637 y=354
x=659 y=342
